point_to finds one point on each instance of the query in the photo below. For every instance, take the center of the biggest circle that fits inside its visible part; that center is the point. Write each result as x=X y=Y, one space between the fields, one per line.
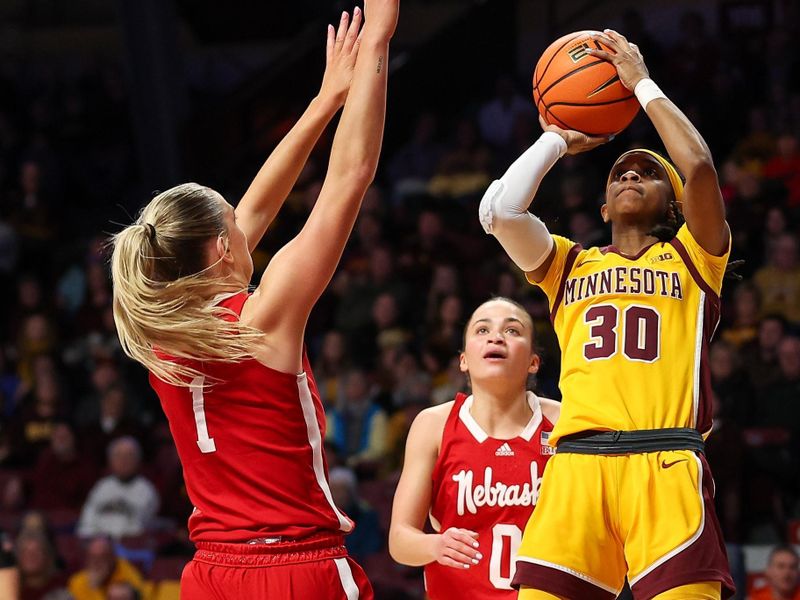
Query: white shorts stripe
x=688 y=542
x=346 y=577
x=315 y=440
x=698 y=352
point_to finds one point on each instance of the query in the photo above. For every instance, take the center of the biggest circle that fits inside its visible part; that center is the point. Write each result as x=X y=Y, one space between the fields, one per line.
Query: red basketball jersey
x=251 y=449
x=489 y=486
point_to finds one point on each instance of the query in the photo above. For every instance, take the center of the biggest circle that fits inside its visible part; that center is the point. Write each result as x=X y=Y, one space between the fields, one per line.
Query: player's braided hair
x=673 y=221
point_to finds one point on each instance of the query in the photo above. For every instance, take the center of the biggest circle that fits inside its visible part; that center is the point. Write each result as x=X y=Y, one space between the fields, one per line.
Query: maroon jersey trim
x=681 y=249
x=572 y=255
x=556 y=581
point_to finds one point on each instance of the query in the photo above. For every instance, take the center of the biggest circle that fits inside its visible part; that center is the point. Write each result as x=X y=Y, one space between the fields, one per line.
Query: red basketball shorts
x=315 y=568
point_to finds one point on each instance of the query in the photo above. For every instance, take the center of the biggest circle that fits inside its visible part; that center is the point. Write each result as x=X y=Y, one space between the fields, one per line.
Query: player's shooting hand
x=457 y=548
x=577 y=142
x=341 y=51
x=625 y=57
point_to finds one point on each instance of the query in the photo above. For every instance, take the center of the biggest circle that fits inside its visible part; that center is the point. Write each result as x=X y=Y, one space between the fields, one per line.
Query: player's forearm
x=277 y=176
x=357 y=144
x=503 y=211
x=683 y=142
x=411 y=546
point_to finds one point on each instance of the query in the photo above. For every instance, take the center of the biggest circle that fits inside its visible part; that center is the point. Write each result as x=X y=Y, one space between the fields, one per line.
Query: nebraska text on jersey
x=495 y=493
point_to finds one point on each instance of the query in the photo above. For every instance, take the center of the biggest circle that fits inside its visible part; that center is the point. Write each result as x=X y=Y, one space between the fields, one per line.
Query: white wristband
x=646 y=91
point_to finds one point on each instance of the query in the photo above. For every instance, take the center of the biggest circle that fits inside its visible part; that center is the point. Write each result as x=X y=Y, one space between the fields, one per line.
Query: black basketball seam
x=552 y=116
x=576 y=70
x=544 y=70
x=591 y=103
x=603 y=86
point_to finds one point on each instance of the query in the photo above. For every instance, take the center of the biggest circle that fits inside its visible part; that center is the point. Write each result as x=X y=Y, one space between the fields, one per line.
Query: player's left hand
x=625 y=57
x=576 y=141
x=341 y=50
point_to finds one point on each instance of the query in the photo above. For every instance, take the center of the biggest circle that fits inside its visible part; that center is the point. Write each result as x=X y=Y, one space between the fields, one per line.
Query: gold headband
x=672 y=173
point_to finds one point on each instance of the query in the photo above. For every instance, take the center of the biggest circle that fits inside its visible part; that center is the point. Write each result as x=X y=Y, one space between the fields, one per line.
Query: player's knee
x=526 y=593
x=705 y=590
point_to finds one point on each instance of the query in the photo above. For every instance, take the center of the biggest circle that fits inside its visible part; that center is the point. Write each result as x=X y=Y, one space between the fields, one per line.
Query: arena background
x=102 y=103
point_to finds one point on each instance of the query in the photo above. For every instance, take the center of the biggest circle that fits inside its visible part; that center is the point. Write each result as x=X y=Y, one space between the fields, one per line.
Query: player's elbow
x=397 y=547
x=701 y=168
x=394 y=545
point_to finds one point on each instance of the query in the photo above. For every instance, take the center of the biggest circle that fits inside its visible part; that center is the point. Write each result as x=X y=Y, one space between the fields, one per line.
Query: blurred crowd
x=91 y=492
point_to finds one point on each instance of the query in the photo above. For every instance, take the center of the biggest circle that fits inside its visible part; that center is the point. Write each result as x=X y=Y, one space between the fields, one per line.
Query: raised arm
x=503 y=210
x=408 y=542
x=300 y=271
x=703 y=207
x=271 y=186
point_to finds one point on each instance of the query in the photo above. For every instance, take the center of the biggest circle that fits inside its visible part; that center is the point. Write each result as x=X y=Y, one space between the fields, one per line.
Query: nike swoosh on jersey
x=666 y=465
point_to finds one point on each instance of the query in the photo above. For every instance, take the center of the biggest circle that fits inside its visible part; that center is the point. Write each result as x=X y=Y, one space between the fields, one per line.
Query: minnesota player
x=629 y=491
x=230 y=367
x=474 y=465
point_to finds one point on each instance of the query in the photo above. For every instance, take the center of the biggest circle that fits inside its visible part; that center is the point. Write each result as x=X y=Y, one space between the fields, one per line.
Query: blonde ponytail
x=164 y=306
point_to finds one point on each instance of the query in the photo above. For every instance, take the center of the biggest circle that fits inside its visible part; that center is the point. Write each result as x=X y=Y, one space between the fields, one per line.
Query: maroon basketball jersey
x=251 y=449
x=489 y=486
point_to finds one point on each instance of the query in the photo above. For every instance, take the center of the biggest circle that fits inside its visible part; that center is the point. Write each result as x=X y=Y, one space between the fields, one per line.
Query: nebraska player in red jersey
x=474 y=465
x=229 y=366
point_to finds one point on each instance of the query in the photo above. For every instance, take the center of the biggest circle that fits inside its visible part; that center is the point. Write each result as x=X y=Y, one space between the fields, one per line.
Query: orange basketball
x=574 y=90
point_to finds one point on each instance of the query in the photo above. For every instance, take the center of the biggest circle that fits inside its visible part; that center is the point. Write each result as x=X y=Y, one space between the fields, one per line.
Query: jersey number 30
x=641 y=332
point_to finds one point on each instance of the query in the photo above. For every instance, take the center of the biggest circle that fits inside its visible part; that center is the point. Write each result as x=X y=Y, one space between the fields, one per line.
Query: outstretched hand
x=625 y=57
x=341 y=51
x=577 y=142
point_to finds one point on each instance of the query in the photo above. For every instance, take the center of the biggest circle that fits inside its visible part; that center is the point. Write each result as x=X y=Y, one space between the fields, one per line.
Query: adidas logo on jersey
x=504 y=450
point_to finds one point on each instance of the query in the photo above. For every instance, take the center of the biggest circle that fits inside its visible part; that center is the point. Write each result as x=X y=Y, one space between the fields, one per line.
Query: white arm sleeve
x=503 y=211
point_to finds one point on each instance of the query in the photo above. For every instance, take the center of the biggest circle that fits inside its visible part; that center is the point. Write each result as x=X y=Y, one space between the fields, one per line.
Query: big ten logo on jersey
x=546 y=448
x=578 y=52
x=471 y=496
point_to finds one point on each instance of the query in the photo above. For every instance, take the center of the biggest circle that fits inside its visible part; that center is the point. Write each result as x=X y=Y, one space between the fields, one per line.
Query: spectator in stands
x=413 y=164
x=9 y=575
x=762 y=354
x=747 y=308
x=782 y=574
x=37 y=564
x=464 y=167
x=730 y=383
x=779 y=281
x=63 y=475
x=331 y=365
x=122 y=590
x=357 y=425
x=103 y=569
x=32 y=425
x=785 y=167
x=779 y=405
x=114 y=421
x=104 y=375
x=124 y=503
x=367 y=538
x=496 y=118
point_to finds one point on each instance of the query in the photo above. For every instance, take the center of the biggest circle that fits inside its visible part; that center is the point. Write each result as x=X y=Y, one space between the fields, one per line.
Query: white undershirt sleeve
x=503 y=211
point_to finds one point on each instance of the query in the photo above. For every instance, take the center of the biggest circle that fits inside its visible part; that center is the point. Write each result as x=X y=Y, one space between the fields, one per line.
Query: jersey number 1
x=205 y=443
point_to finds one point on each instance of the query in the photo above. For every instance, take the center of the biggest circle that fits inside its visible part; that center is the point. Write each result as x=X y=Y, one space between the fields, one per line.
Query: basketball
x=574 y=90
